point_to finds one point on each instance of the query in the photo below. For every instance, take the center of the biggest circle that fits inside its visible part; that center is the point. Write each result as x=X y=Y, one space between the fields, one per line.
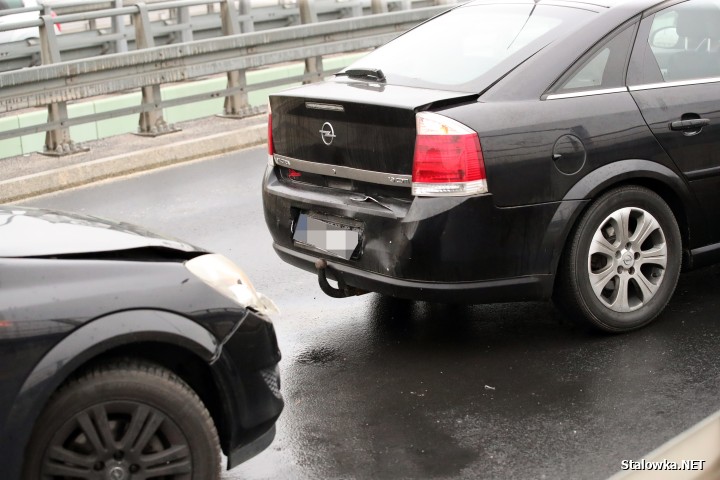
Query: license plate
x=327 y=236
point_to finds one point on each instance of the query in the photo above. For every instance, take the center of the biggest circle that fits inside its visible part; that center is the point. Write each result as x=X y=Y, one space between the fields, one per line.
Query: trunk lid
x=354 y=125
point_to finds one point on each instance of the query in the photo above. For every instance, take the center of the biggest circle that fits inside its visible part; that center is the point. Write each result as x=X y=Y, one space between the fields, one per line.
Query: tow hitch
x=342 y=289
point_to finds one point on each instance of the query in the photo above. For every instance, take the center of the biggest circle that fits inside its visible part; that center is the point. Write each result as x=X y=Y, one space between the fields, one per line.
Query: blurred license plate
x=334 y=238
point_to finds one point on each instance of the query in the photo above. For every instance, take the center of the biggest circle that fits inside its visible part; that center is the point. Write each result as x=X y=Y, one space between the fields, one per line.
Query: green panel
x=86 y=131
x=12 y=146
x=266 y=74
x=259 y=98
x=341 y=61
x=192 y=111
x=118 y=125
x=36 y=141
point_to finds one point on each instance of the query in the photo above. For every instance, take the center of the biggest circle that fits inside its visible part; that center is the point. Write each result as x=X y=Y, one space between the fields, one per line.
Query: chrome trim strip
x=702 y=174
x=344 y=172
x=585 y=93
x=324 y=106
x=679 y=83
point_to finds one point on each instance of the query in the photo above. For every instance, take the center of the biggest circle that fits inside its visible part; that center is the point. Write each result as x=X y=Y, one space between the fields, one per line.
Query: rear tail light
x=448 y=159
x=271 y=147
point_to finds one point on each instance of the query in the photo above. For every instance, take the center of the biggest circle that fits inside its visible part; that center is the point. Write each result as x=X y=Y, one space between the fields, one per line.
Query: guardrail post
x=236 y=104
x=151 y=122
x=57 y=140
x=404 y=4
x=183 y=18
x=247 y=21
x=313 y=65
x=118 y=27
x=49 y=49
x=229 y=18
x=356 y=10
x=379 y=6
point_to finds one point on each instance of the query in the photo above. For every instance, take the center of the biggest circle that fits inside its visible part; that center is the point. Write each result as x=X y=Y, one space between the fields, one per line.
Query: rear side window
x=604 y=67
x=456 y=49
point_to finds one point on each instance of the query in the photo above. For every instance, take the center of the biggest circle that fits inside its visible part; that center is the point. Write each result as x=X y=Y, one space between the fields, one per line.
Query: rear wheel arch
x=643 y=173
x=667 y=193
x=674 y=201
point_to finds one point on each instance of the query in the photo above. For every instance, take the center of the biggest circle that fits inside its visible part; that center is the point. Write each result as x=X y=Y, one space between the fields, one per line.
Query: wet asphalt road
x=377 y=388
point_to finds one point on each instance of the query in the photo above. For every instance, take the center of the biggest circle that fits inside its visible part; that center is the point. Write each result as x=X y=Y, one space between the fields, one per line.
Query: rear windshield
x=457 y=49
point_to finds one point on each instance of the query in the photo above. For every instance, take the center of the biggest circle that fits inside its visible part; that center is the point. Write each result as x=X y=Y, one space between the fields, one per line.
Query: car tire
x=122 y=420
x=622 y=262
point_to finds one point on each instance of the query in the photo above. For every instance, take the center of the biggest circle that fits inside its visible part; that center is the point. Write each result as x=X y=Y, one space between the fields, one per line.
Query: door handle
x=692 y=124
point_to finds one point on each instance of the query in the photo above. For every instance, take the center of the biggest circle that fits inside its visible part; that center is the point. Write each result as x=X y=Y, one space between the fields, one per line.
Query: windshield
x=453 y=51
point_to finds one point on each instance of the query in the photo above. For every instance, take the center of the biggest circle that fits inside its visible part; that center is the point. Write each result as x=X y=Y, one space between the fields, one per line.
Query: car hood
x=33 y=232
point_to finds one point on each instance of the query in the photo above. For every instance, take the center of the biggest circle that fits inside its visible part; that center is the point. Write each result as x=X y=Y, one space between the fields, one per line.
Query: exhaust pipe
x=342 y=290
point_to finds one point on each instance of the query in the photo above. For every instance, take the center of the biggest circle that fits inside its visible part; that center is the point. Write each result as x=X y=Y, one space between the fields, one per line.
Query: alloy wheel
x=627 y=259
x=118 y=440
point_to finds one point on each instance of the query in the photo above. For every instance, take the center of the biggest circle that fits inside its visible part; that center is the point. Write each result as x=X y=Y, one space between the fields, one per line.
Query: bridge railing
x=147 y=54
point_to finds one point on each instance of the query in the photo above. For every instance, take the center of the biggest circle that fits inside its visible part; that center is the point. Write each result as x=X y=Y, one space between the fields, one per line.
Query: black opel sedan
x=508 y=151
x=127 y=355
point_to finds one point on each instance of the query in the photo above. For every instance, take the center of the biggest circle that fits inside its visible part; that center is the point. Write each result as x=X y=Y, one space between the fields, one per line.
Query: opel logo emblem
x=628 y=259
x=327 y=133
x=116 y=473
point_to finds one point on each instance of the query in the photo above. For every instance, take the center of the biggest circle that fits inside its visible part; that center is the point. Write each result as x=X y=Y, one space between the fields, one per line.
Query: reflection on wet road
x=386 y=389
x=383 y=388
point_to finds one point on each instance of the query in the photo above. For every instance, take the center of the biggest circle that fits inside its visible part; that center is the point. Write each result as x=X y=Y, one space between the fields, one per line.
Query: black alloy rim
x=118 y=440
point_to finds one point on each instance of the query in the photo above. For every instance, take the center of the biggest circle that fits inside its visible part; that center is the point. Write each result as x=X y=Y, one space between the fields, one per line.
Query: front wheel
x=623 y=261
x=124 y=421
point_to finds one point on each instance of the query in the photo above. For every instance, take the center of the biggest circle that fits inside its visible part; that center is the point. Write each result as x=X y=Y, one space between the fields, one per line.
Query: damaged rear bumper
x=455 y=249
x=531 y=287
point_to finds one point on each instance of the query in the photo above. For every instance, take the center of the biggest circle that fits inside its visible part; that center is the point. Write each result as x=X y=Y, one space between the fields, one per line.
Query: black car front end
x=248 y=377
x=138 y=305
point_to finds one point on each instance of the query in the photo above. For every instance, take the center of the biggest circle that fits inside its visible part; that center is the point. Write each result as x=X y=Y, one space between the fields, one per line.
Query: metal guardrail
x=57 y=82
x=90 y=34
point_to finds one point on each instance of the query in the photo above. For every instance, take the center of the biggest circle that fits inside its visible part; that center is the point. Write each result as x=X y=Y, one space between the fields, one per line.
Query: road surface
x=378 y=388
